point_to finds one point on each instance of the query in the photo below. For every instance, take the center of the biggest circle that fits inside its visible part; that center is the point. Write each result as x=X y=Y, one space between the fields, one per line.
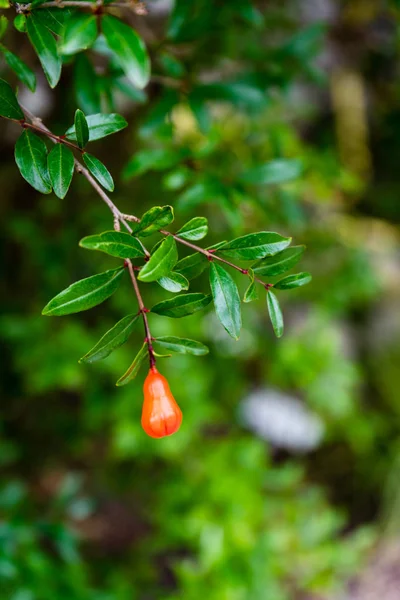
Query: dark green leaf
x=84 y=294
x=9 y=106
x=181 y=306
x=20 y=23
x=54 y=18
x=182 y=345
x=161 y=262
x=192 y=266
x=61 y=169
x=22 y=71
x=157 y=159
x=86 y=88
x=114 y=243
x=273 y=172
x=113 y=339
x=45 y=47
x=279 y=263
x=153 y=220
x=100 y=126
x=3 y=25
x=174 y=282
x=129 y=50
x=256 y=245
x=134 y=368
x=195 y=229
x=275 y=313
x=293 y=281
x=31 y=158
x=80 y=32
x=226 y=300
x=251 y=292
x=99 y=171
x=81 y=129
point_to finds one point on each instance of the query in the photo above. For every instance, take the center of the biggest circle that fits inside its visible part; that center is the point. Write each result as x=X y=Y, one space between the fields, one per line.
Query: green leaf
x=192 y=266
x=161 y=262
x=99 y=171
x=156 y=159
x=81 y=129
x=9 y=106
x=22 y=71
x=45 y=47
x=86 y=88
x=84 y=294
x=113 y=339
x=61 y=169
x=255 y=245
x=174 y=282
x=293 y=281
x=3 y=25
x=275 y=313
x=251 y=292
x=80 y=32
x=273 y=172
x=279 y=263
x=226 y=300
x=31 y=159
x=182 y=345
x=100 y=126
x=133 y=370
x=129 y=50
x=182 y=306
x=54 y=19
x=195 y=229
x=20 y=23
x=153 y=220
x=114 y=243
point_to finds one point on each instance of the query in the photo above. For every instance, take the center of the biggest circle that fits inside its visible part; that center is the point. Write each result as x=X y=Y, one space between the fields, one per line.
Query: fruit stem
x=143 y=311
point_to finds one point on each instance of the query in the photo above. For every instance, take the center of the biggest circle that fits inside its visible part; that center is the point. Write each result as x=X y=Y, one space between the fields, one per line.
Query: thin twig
x=138 y=7
x=143 y=310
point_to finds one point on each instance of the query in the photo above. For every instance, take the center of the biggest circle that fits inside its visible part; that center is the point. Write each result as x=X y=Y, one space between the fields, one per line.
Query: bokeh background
x=284 y=480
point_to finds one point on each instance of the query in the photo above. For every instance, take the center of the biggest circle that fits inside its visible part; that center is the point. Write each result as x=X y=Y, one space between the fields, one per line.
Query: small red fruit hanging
x=161 y=416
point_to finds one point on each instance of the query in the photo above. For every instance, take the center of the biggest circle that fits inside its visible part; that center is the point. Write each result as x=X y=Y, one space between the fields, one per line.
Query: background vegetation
x=284 y=475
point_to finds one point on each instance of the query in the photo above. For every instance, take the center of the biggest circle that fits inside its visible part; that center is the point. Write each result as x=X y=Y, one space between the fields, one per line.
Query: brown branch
x=143 y=310
x=138 y=7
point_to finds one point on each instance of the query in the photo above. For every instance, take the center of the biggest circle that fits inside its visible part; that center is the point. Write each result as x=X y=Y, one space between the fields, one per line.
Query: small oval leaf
x=226 y=300
x=133 y=370
x=195 y=229
x=22 y=71
x=80 y=32
x=114 y=243
x=153 y=220
x=182 y=345
x=279 y=263
x=31 y=159
x=100 y=125
x=9 y=106
x=174 y=282
x=182 y=306
x=113 y=339
x=275 y=313
x=61 y=169
x=45 y=47
x=81 y=129
x=255 y=245
x=161 y=262
x=293 y=281
x=99 y=171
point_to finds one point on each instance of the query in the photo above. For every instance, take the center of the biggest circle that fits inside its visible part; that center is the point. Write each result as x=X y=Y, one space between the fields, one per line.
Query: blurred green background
x=283 y=481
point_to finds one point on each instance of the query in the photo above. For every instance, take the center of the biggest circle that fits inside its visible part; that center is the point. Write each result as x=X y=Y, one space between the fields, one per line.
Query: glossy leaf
x=84 y=294
x=174 y=282
x=182 y=345
x=45 y=47
x=9 y=106
x=100 y=125
x=153 y=220
x=81 y=129
x=226 y=300
x=54 y=19
x=61 y=169
x=114 y=243
x=31 y=159
x=255 y=245
x=275 y=313
x=128 y=49
x=22 y=71
x=161 y=262
x=293 y=281
x=113 y=339
x=279 y=263
x=276 y=171
x=182 y=306
x=99 y=171
x=251 y=292
x=192 y=266
x=133 y=370
x=80 y=32
x=195 y=229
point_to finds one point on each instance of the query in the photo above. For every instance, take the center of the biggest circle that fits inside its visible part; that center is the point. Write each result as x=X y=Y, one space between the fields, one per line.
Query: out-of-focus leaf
x=79 y=33
x=114 y=243
x=279 y=263
x=3 y=25
x=174 y=282
x=275 y=313
x=81 y=129
x=195 y=229
x=157 y=159
x=20 y=23
x=99 y=171
x=22 y=71
x=182 y=306
x=84 y=294
x=100 y=125
x=182 y=345
x=293 y=281
x=153 y=220
x=45 y=47
x=54 y=18
x=133 y=370
x=129 y=50
x=9 y=106
x=276 y=171
x=31 y=158
x=255 y=245
x=161 y=262
x=61 y=169
x=226 y=300
x=86 y=89
x=113 y=339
